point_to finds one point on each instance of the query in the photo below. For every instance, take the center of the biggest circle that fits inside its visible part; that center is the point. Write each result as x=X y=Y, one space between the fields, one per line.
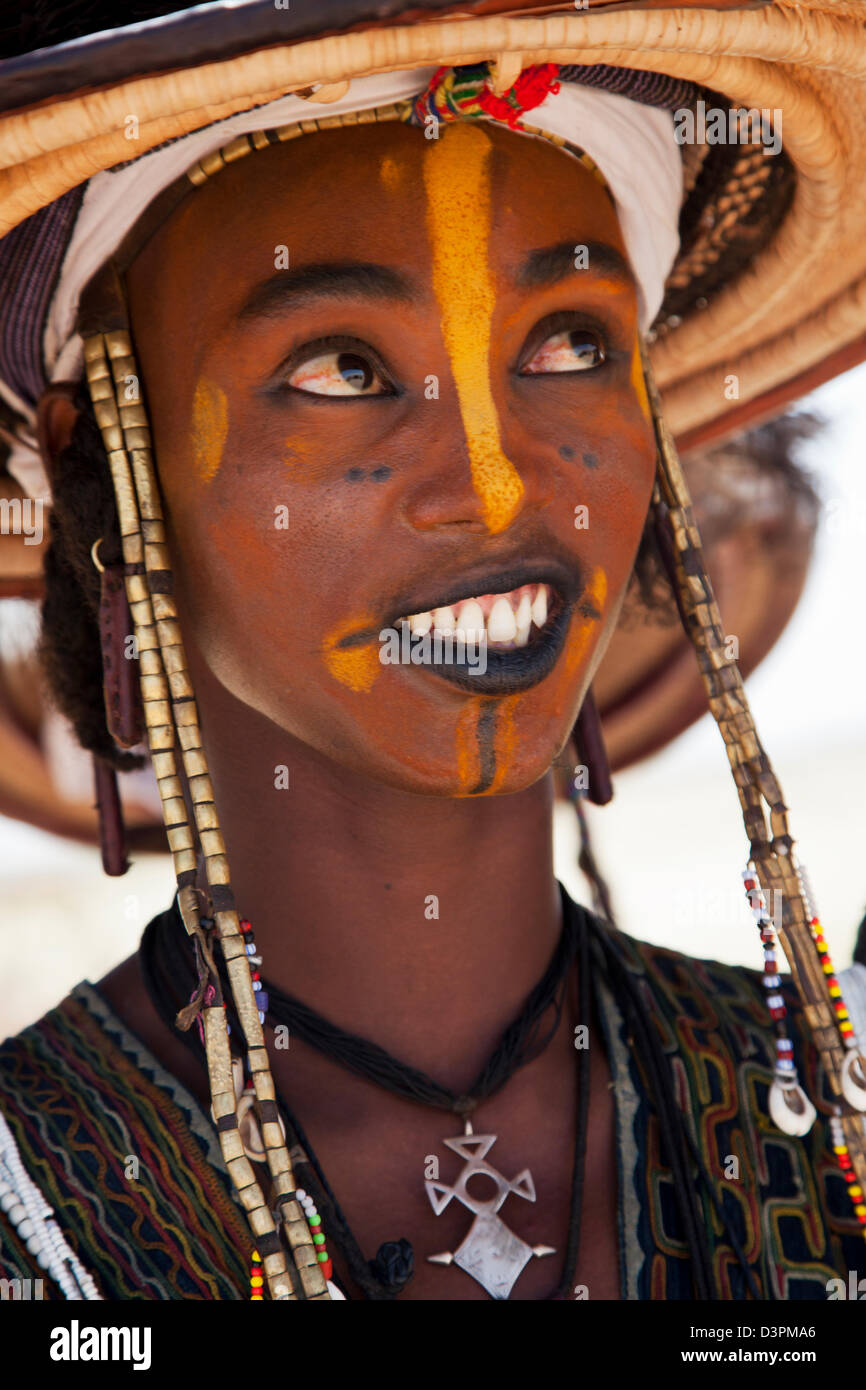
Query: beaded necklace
x=166 y=965
x=491 y=1253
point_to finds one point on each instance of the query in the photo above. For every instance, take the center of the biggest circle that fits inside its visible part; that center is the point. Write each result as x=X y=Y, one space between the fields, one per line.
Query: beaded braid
x=171 y=718
x=772 y=847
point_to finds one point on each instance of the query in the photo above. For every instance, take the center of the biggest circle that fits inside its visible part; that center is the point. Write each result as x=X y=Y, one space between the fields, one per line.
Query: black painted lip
x=510 y=672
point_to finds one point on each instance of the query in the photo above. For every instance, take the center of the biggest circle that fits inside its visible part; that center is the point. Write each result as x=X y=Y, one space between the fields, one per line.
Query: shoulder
x=123 y=1155
x=698 y=997
x=785 y=1195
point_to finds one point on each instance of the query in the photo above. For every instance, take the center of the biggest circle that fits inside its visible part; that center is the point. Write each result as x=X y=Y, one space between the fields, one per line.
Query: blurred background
x=671 y=843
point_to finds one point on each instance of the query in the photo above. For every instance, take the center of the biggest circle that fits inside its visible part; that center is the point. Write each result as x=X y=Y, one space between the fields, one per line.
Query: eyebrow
x=550 y=264
x=332 y=280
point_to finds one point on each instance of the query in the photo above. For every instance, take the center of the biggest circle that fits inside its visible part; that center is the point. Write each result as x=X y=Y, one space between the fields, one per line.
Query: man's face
x=393 y=378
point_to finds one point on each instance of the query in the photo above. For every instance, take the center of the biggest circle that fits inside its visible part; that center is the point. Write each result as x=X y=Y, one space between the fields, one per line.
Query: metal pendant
x=491 y=1253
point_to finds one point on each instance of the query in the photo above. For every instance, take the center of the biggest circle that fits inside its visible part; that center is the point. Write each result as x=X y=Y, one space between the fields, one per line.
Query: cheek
x=269 y=563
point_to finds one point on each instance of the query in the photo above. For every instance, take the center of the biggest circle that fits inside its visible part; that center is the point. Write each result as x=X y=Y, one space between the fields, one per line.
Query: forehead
x=364 y=192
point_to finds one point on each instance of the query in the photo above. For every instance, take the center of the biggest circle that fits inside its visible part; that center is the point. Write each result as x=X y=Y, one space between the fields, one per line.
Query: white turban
x=632 y=144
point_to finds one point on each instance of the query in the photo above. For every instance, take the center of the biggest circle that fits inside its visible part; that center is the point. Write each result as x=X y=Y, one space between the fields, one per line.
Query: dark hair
x=83 y=510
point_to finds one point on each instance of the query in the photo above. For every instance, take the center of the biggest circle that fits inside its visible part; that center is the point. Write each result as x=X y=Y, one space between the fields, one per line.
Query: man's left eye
x=574 y=350
x=337 y=374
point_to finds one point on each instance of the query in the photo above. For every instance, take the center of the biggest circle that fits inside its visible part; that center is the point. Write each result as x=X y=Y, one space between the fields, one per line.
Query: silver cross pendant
x=491 y=1253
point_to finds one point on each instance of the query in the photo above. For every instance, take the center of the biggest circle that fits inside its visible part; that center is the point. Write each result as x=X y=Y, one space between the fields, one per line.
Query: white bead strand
x=27 y=1210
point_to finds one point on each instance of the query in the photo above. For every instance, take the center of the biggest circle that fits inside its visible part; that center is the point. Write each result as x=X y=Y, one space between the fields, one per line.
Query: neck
x=418 y=922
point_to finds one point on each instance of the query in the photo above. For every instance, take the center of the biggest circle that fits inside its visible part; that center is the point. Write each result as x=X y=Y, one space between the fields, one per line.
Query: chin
x=504 y=770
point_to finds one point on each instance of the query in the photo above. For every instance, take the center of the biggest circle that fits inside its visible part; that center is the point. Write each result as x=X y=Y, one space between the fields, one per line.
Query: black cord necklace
x=169 y=975
x=167 y=963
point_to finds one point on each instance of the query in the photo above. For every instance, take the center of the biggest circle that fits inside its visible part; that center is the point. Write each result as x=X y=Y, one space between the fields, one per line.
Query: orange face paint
x=638 y=383
x=504 y=740
x=355 y=667
x=486 y=741
x=468 y=764
x=210 y=425
x=297 y=450
x=390 y=174
x=580 y=638
x=457 y=183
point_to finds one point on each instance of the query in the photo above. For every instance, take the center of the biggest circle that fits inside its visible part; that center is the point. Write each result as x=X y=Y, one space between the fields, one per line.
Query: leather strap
x=112 y=832
x=590 y=745
x=120 y=672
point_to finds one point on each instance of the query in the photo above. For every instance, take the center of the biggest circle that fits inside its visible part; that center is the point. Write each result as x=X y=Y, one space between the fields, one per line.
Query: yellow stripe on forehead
x=457 y=183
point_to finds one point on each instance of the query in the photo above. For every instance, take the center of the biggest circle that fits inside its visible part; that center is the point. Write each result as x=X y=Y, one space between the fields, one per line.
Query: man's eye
x=337 y=374
x=574 y=350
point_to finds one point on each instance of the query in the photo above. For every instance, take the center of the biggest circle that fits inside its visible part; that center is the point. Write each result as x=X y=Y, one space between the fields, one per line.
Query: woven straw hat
x=766 y=300
x=781 y=310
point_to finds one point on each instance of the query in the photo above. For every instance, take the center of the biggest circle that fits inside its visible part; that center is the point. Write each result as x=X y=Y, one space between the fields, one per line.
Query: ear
x=56 y=415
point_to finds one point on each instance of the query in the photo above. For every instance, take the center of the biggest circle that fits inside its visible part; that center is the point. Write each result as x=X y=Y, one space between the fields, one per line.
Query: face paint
x=579 y=640
x=468 y=765
x=297 y=451
x=376 y=475
x=390 y=174
x=457 y=182
x=355 y=667
x=639 y=384
x=504 y=740
x=486 y=740
x=210 y=425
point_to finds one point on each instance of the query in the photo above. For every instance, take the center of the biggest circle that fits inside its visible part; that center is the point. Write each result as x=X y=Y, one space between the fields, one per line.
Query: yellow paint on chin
x=457 y=184
x=638 y=383
x=468 y=762
x=504 y=742
x=210 y=426
x=355 y=667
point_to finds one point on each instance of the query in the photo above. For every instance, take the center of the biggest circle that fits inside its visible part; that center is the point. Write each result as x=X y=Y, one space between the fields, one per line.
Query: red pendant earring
x=589 y=740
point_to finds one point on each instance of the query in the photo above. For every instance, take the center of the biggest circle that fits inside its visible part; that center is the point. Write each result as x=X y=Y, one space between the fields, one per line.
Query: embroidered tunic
x=131 y=1165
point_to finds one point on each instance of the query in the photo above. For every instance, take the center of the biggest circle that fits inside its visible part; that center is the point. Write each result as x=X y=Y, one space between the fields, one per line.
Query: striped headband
x=616 y=120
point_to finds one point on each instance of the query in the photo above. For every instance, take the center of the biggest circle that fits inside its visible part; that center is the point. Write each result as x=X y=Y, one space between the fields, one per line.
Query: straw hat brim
x=802 y=299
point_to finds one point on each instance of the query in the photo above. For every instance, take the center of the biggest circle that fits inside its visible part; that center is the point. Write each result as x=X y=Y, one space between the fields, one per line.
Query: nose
x=469 y=480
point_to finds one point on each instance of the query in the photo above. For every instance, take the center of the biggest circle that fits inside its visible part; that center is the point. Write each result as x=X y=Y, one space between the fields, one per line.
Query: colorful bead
x=840 y=1149
x=314 y=1220
x=256 y=1279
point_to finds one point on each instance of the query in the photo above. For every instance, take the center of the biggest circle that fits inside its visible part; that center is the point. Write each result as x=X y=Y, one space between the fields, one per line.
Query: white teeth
x=504 y=624
x=443 y=619
x=501 y=625
x=523 y=620
x=470 y=621
x=539 y=607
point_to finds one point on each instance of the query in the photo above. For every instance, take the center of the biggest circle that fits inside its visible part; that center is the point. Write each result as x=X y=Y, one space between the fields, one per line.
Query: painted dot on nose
x=354 y=475
x=566 y=451
x=591 y=460
x=380 y=474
